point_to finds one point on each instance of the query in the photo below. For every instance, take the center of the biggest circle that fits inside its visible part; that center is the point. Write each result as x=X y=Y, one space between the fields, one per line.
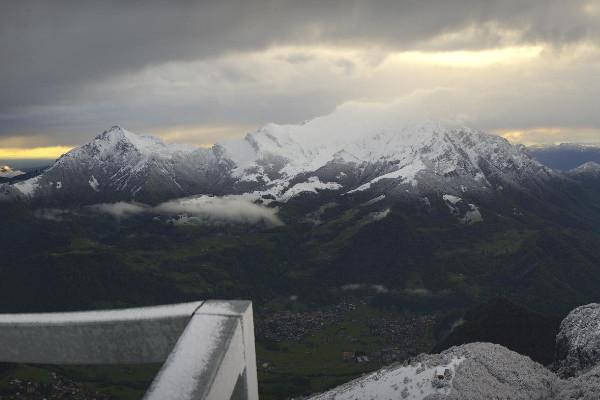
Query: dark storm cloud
x=54 y=52
x=47 y=44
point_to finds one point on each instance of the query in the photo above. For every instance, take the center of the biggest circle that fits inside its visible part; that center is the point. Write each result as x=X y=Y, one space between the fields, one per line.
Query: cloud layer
x=201 y=209
x=202 y=71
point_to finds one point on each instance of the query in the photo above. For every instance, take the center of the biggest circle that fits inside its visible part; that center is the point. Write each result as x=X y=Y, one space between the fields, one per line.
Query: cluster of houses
x=294 y=326
x=58 y=388
x=358 y=356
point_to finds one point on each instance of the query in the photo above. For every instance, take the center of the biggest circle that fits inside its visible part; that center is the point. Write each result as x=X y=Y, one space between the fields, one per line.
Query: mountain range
x=423 y=164
x=278 y=162
x=565 y=156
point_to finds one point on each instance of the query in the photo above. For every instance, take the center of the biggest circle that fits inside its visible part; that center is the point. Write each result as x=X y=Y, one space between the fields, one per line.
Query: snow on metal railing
x=207 y=347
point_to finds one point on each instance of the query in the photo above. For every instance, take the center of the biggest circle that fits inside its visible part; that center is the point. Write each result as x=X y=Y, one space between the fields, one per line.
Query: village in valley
x=360 y=334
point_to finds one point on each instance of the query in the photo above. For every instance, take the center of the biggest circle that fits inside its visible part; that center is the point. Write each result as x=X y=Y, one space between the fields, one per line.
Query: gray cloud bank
x=192 y=210
x=64 y=42
x=73 y=67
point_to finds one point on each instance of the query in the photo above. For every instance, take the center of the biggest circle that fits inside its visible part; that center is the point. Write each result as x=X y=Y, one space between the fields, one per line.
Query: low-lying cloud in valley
x=120 y=209
x=191 y=210
x=219 y=209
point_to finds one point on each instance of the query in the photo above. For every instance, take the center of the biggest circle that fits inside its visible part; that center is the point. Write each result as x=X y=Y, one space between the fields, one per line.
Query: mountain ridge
x=281 y=161
x=565 y=156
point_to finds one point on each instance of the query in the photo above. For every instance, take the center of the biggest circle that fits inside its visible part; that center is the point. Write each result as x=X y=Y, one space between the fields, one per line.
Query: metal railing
x=207 y=347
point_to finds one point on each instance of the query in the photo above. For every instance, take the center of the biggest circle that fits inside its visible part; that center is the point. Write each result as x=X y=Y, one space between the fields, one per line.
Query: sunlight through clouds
x=33 y=152
x=499 y=65
x=472 y=58
x=552 y=136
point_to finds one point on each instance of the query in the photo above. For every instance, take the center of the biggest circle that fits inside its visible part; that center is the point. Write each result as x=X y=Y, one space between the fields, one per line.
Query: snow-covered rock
x=578 y=341
x=469 y=372
x=466 y=213
x=582 y=387
x=312 y=185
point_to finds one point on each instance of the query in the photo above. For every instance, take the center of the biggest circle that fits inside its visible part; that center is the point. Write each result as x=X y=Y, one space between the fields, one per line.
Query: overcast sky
x=200 y=71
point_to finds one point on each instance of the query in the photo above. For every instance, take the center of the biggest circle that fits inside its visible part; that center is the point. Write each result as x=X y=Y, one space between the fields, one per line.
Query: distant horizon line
x=33 y=155
x=41 y=162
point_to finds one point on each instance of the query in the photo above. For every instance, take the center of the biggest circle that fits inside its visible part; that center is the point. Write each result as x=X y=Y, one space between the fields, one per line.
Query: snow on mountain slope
x=350 y=151
x=414 y=381
x=120 y=165
x=360 y=151
x=589 y=169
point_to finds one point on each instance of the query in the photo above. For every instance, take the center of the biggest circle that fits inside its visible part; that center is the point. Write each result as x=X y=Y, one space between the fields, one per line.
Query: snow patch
x=373 y=200
x=451 y=199
x=472 y=216
x=466 y=213
x=414 y=382
x=407 y=174
x=128 y=314
x=378 y=288
x=93 y=182
x=312 y=185
x=29 y=186
x=378 y=216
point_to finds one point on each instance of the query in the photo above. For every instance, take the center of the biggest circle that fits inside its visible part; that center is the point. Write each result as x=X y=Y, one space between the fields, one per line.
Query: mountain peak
x=390 y=144
x=588 y=168
x=116 y=133
x=590 y=165
x=113 y=131
x=120 y=140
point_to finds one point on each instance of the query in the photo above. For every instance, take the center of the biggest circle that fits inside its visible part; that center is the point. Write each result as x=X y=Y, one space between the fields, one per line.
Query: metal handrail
x=207 y=347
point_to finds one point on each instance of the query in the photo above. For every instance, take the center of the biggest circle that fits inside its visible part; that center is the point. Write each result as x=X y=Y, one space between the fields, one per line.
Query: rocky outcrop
x=578 y=342
x=469 y=372
x=489 y=372
x=583 y=387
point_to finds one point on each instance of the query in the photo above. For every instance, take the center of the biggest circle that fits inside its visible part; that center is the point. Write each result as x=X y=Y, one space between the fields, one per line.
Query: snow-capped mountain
x=120 y=165
x=339 y=152
x=7 y=172
x=590 y=169
x=413 y=157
